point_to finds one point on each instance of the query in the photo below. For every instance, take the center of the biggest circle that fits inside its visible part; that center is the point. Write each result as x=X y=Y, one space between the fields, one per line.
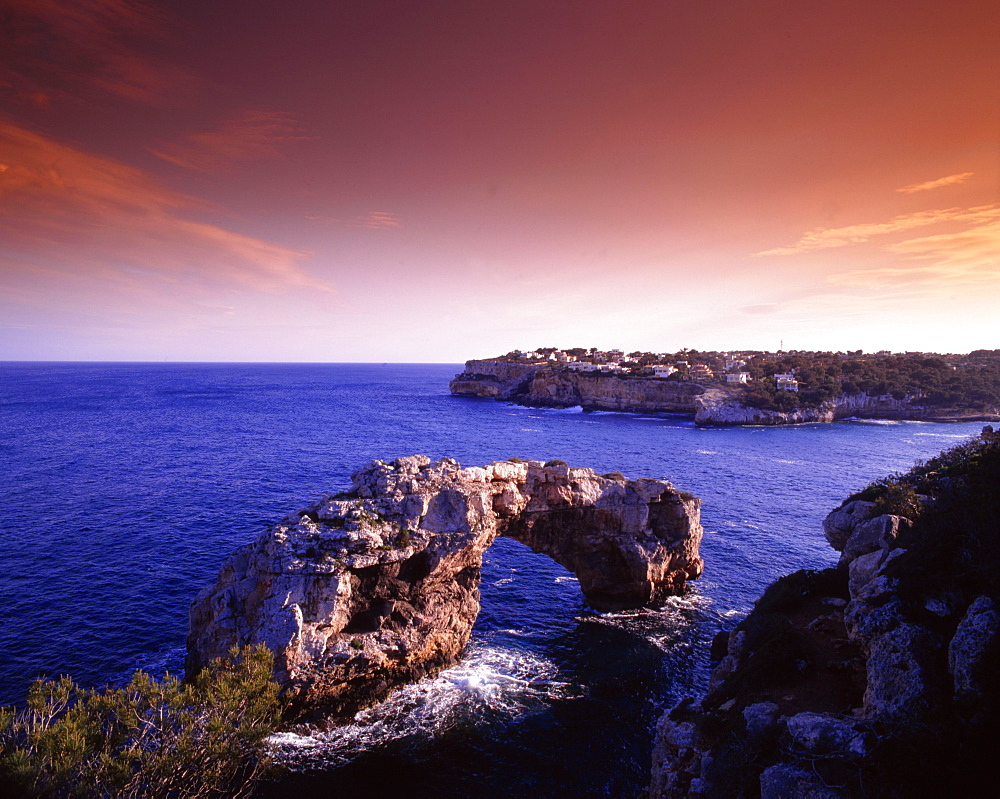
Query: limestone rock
x=719 y=407
x=840 y=523
x=874 y=534
x=974 y=653
x=903 y=675
x=785 y=781
x=368 y=590
x=823 y=734
x=761 y=721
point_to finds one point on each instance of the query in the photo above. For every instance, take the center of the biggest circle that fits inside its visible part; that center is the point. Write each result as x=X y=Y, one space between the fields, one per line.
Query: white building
x=735 y=378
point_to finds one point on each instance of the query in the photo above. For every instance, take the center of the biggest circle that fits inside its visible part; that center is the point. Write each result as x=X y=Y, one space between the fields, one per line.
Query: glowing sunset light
x=439 y=181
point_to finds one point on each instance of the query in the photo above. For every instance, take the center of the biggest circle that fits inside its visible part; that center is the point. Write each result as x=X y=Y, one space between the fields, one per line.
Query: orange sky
x=433 y=181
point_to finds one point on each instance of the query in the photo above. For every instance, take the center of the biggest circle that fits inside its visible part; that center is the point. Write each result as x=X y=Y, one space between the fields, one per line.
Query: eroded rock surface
x=877 y=678
x=379 y=586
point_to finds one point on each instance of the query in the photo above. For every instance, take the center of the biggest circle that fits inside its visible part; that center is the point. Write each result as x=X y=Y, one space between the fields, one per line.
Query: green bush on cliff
x=150 y=738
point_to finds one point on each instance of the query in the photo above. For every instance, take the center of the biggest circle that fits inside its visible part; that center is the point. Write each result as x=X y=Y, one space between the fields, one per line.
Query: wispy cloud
x=378 y=220
x=249 y=137
x=373 y=220
x=55 y=48
x=825 y=238
x=967 y=258
x=77 y=213
x=951 y=180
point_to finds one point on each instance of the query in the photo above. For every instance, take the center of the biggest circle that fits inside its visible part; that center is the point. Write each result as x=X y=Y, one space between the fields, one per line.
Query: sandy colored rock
x=371 y=589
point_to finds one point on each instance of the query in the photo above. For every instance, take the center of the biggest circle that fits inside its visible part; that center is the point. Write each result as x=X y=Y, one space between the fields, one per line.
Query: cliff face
x=720 y=408
x=544 y=387
x=540 y=385
x=366 y=591
x=874 y=679
x=563 y=389
x=499 y=379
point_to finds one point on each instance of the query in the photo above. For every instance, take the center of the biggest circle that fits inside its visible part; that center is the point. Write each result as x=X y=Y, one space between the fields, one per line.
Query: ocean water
x=125 y=485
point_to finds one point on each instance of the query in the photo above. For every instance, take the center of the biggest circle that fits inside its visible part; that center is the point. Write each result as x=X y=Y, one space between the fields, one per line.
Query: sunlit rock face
x=377 y=587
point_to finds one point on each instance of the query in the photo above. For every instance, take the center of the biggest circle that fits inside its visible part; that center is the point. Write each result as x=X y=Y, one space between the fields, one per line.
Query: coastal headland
x=876 y=678
x=378 y=586
x=745 y=388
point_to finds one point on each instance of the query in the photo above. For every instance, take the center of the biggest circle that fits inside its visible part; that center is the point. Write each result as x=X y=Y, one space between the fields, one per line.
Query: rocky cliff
x=718 y=407
x=374 y=588
x=493 y=378
x=541 y=385
x=878 y=678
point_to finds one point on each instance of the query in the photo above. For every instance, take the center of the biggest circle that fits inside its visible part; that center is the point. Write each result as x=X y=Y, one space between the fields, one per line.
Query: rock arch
x=379 y=586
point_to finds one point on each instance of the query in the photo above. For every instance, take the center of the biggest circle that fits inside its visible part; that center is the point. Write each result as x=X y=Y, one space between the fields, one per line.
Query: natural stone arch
x=378 y=587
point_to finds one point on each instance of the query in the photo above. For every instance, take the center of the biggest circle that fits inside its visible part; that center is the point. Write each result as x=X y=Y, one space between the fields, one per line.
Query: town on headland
x=745 y=387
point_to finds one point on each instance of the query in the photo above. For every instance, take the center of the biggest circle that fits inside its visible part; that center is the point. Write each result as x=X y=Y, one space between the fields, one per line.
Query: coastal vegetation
x=151 y=738
x=873 y=679
x=970 y=382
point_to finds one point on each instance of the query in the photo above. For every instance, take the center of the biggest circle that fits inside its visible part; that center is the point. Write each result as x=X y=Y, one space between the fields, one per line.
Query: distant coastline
x=747 y=387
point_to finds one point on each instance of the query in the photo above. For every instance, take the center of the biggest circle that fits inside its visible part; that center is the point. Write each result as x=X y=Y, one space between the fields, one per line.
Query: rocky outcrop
x=718 y=407
x=876 y=678
x=546 y=386
x=493 y=378
x=541 y=386
x=608 y=392
x=376 y=587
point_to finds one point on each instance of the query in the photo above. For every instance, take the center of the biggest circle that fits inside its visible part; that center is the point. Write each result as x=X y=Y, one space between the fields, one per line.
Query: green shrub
x=150 y=738
x=556 y=463
x=356 y=643
x=898 y=499
x=613 y=476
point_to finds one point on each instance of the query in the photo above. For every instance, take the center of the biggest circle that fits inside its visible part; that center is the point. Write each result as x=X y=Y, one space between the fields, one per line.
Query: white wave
x=490 y=682
x=566 y=578
x=706 y=452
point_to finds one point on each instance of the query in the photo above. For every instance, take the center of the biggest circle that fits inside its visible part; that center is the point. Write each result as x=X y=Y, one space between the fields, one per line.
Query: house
x=701 y=370
x=786 y=376
x=735 y=378
x=662 y=370
x=583 y=366
x=735 y=364
x=786 y=383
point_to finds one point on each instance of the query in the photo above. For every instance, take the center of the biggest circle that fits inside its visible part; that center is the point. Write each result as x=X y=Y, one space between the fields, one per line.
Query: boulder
x=823 y=734
x=872 y=535
x=904 y=679
x=840 y=523
x=785 y=781
x=974 y=653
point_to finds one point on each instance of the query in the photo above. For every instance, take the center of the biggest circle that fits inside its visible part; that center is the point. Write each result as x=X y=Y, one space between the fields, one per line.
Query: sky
x=431 y=181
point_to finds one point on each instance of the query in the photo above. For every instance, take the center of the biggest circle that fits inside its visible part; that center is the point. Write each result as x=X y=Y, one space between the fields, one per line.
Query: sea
x=125 y=485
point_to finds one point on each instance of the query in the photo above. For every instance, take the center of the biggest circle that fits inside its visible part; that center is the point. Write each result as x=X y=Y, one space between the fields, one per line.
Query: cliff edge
x=712 y=405
x=877 y=678
x=377 y=587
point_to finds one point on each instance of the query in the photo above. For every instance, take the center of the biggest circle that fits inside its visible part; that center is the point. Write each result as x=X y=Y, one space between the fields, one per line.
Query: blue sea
x=124 y=486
